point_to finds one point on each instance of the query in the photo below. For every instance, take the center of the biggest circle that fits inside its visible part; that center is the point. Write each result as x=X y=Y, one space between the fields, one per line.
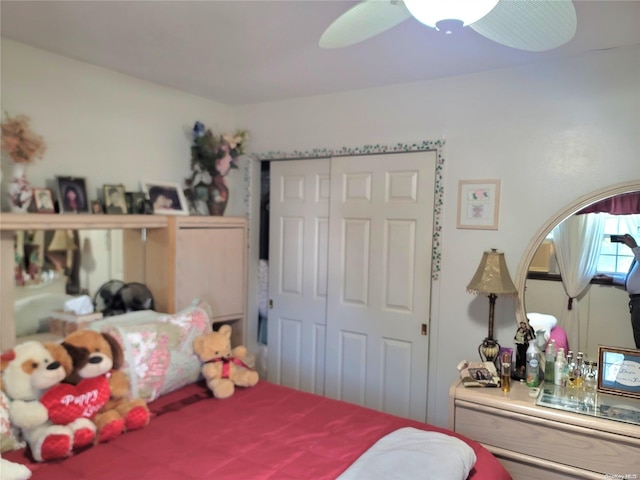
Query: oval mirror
x=607 y=326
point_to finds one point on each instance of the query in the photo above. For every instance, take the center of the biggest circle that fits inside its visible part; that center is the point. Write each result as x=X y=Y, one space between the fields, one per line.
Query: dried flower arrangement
x=20 y=142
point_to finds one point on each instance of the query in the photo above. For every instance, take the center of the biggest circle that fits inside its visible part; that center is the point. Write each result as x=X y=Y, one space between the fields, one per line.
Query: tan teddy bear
x=223 y=367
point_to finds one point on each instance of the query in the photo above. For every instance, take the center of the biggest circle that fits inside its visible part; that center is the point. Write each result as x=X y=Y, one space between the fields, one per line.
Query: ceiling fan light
x=430 y=12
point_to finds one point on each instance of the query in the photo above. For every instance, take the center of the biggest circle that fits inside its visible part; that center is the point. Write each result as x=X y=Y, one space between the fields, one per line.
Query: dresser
x=179 y=258
x=535 y=442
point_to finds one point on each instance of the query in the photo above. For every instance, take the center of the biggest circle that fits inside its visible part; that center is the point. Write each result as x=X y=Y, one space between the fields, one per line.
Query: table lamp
x=492 y=278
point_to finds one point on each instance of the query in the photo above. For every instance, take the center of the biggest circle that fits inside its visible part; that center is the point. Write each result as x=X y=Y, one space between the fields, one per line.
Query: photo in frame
x=478 y=204
x=166 y=198
x=137 y=203
x=96 y=207
x=43 y=198
x=114 y=199
x=72 y=194
x=619 y=371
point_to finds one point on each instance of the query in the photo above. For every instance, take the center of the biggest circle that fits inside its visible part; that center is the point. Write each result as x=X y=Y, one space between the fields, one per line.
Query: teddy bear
x=223 y=367
x=99 y=355
x=29 y=372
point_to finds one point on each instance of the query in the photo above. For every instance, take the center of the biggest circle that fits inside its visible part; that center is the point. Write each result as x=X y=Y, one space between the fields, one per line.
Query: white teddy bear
x=27 y=373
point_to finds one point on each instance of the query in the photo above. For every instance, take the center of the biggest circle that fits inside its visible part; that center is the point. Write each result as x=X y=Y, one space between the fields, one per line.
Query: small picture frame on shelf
x=114 y=199
x=43 y=200
x=619 y=371
x=96 y=207
x=72 y=194
x=167 y=198
x=137 y=203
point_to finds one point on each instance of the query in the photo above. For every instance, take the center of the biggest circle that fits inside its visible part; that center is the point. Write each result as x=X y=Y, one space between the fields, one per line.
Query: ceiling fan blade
x=535 y=26
x=364 y=21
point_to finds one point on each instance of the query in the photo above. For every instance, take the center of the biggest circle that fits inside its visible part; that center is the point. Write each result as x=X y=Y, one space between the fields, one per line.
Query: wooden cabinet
x=204 y=258
x=181 y=257
x=534 y=442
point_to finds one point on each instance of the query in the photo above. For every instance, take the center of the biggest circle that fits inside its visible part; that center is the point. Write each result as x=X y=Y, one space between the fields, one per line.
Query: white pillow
x=409 y=453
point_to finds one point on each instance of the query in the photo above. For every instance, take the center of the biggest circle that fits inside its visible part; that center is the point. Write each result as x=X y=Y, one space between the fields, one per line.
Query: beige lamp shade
x=492 y=276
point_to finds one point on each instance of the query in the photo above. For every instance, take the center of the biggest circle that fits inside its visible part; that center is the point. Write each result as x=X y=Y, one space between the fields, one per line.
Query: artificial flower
x=22 y=145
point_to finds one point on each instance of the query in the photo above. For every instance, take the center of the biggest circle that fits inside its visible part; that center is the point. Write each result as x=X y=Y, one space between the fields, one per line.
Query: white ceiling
x=240 y=52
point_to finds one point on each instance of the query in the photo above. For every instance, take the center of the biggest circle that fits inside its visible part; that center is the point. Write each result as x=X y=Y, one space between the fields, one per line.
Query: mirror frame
x=536 y=241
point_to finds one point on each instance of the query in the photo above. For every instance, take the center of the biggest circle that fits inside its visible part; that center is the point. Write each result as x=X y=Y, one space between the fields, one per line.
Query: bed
x=264 y=432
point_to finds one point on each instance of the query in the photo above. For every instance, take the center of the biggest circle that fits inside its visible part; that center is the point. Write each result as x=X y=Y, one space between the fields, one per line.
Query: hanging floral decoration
x=212 y=158
x=20 y=142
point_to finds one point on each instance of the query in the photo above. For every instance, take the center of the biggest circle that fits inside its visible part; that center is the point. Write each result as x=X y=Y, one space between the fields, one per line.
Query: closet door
x=381 y=223
x=299 y=210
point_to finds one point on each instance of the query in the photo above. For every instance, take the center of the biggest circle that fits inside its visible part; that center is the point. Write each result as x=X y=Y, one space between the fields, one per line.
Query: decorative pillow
x=9 y=438
x=147 y=355
x=158 y=348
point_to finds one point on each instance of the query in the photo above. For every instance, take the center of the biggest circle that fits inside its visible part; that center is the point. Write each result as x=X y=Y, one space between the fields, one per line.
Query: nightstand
x=535 y=442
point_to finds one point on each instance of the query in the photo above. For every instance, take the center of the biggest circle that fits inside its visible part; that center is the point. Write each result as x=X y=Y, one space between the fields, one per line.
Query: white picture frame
x=167 y=198
x=478 y=204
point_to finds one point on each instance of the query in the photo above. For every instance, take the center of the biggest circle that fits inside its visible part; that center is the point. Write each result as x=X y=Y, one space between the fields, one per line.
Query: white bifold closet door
x=357 y=323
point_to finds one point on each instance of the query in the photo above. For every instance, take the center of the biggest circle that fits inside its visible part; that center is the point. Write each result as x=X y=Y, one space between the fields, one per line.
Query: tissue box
x=63 y=323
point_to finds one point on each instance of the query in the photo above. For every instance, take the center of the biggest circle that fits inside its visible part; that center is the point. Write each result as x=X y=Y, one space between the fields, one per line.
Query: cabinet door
x=211 y=266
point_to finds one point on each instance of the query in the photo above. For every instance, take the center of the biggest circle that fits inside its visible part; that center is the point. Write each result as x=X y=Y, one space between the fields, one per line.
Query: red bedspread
x=265 y=432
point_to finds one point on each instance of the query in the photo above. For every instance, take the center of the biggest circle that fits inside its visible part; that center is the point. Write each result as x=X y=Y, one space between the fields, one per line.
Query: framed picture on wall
x=43 y=200
x=478 y=204
x=72 y=192
x=166 y=198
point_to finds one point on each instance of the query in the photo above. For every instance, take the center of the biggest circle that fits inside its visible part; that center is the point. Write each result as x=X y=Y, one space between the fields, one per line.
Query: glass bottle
x=532 y=368
x=549 y=364
x=590 y=384
x=505 y=371
x=571 y=365
x=577 y=371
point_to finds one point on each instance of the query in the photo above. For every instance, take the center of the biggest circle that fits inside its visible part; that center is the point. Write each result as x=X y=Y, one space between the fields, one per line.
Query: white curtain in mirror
x=577 y=243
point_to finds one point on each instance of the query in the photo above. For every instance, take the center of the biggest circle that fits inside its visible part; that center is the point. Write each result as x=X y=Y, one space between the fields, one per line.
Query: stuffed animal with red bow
x=31 y=372
x=224 y=368
x=99 y=356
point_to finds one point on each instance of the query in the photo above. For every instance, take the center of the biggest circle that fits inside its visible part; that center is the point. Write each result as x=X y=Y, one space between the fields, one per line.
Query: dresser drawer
x=545 y=439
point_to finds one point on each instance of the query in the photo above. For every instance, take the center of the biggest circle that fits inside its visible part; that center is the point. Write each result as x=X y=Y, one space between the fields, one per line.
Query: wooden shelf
x=42 y=221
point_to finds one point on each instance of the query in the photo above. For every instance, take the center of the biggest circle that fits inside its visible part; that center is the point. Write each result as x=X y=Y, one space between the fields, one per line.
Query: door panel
x=380 y=223
x=299 y=227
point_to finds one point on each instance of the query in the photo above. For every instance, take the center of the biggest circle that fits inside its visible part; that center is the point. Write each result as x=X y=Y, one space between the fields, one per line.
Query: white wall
x=103 y=125
x=550 y=132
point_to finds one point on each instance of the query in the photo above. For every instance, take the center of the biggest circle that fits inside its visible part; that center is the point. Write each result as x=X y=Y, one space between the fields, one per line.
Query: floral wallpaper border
x=426 y=145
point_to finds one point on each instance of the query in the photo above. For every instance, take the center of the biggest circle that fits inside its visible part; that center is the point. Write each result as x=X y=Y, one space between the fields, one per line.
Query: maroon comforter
x=264 y=432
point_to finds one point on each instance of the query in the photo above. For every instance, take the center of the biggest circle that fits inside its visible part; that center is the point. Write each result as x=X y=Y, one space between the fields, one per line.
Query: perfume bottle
x=505 y=371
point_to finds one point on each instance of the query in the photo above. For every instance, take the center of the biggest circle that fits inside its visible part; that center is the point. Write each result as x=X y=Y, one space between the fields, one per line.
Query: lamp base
x=489 y=350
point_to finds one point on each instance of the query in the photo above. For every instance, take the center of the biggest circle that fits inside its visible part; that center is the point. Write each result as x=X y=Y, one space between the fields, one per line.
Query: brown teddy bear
x=223 y=367
x=97 y=354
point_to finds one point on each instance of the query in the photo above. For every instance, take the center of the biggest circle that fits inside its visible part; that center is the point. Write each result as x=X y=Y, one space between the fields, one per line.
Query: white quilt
x=409 y=453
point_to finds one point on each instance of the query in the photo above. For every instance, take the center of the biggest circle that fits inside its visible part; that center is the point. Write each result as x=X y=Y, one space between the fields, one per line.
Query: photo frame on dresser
x=619 y=371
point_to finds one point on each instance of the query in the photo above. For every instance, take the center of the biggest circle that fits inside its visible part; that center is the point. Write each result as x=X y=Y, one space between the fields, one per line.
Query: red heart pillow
x=67 y=403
